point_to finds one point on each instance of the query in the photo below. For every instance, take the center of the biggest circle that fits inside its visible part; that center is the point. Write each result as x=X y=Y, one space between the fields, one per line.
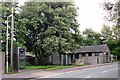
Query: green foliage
x=28 y=64
x=108 y=35
x=116 y=51
x=6 y=11
x=52 y=67
x=0 y=25
x=59 y=67
x=113 y=15
x=81 y=64
x=3 y=27
x=91 y=37
x=111 y=37
x=45 y=28
x=116 y=32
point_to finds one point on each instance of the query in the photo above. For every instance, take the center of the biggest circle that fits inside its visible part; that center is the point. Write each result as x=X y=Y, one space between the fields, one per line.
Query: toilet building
x=95 y=54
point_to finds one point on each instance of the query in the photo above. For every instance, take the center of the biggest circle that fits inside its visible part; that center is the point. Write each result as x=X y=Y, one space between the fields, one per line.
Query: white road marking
x=52 y=75
x=88 y=76
x=102 y=72
x=108 y=70
x=116 y=68
x=105 y=71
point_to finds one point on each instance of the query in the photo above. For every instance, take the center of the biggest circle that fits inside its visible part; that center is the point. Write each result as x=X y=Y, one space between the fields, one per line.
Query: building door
x=97 y=60
x=97 y=55
x=64 y=59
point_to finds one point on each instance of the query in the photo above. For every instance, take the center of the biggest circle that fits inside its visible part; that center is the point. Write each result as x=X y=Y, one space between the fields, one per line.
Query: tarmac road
x=108 y=71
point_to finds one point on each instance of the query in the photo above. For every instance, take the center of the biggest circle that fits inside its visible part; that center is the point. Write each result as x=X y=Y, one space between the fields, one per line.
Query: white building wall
x=101 y=58
x=69 y=59
x=56 y=58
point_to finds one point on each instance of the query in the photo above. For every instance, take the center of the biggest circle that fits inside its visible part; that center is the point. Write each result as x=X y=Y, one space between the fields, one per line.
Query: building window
x=83 y=55
x=76 y=56
x=96 y=54
x=89 y=54
x=106 y=53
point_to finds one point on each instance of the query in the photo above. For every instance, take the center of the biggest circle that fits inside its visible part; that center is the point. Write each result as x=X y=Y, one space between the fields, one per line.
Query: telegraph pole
x=12 y=28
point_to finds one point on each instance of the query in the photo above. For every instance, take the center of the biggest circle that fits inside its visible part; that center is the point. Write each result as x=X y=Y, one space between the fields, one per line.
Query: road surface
x=108 y=71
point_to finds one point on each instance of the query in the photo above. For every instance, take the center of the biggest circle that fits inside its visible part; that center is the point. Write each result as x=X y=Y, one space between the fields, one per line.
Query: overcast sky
x=90 y=14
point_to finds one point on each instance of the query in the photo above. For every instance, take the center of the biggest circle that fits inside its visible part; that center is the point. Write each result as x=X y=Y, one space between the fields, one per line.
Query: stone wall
x=89 y=59
x=2 y=63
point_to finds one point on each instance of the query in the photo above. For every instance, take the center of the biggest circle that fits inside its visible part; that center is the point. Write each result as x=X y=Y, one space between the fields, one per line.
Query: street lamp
x=7 y=45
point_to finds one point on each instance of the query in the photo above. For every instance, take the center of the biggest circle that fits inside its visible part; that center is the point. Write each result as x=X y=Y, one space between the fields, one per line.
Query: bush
x=28 y=64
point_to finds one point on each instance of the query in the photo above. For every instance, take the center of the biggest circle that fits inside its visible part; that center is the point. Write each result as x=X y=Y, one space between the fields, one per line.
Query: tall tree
x=116 y=34
x=45 y=28
x=6 y=11
x=106 y=33
x=0 y=26
x=110 y=37
x=91 y=37
x=113 y=10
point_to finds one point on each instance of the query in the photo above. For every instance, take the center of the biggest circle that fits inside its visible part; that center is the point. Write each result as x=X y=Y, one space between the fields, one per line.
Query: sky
x=90 y=14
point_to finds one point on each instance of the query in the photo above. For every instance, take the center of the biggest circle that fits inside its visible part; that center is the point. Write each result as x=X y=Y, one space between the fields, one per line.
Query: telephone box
x=19 y=58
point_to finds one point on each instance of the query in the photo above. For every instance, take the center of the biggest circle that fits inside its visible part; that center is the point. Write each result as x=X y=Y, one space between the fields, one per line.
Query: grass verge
x=48 y=67
x=12 y=72
x=52 y=67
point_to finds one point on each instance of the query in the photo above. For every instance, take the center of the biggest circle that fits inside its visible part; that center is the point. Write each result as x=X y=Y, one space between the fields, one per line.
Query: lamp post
x=7 y=45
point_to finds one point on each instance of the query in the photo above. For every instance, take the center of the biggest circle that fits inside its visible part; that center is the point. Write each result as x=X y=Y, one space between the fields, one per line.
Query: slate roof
x=93 y=49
